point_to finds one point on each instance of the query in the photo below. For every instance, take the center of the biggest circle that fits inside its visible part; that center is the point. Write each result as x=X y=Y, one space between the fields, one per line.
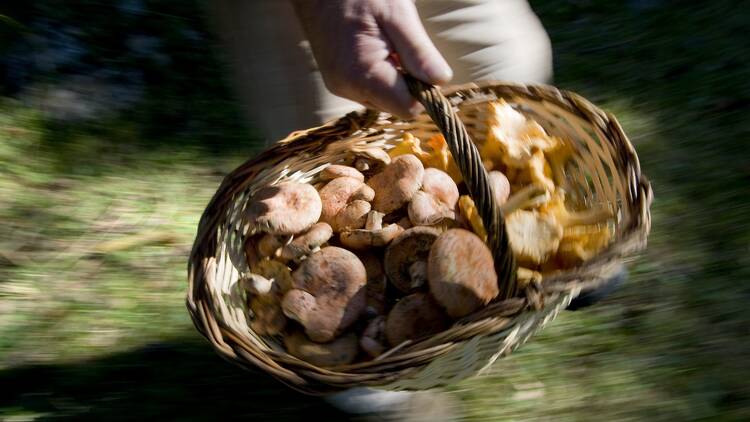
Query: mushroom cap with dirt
x=328 y=293
x=397 y=183
x=426 y=210
x=285 y=208
x=461 y=272
x=413 y=317
x=307 y=243
x=335 y=195
x=353 y=216
x=441 y=186
x=410 y=247
x=340 y=351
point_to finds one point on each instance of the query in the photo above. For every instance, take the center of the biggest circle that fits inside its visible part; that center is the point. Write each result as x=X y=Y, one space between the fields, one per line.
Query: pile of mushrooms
x=385 y=248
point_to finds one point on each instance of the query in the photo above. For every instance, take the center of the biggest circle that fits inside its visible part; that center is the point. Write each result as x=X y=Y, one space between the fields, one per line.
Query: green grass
x=86 y=335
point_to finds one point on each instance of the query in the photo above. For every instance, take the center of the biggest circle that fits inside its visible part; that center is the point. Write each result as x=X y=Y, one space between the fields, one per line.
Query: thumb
x=418 y=55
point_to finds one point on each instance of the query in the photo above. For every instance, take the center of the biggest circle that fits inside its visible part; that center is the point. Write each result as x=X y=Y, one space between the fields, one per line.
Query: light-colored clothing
x=279 y=86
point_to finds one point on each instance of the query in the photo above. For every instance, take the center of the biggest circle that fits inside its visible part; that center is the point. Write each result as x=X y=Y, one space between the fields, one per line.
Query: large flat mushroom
x=285 y=208
x=328 y=293
x=461 y=272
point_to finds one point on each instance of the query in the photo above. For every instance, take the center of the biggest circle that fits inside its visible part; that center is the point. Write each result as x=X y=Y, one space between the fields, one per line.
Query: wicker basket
x=605 y=170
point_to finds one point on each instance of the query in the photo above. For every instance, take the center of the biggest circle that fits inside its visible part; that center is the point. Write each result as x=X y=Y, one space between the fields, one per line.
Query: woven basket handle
x=475 y=176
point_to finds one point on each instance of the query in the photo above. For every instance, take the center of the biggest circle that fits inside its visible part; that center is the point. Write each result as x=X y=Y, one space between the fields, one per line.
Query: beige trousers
x=279 y=86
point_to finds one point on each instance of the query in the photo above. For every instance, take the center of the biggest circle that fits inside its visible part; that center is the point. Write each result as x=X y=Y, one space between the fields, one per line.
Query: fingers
x=384 y=87
x=418 y=55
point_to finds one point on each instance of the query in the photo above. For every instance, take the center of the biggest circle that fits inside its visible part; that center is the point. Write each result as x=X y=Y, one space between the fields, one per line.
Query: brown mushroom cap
x=341 y=351
x=268 y=319
x=305 y=243
x=335 y=195
x=441 y=186
x=329 y=293
x=413 y=317
x=284 y=209
x=269 y=244
x=335 y=171
x=461 y=272
x=500 y=186
x=353 y=216
x=426 y=210
x=409 y=247
x=397 y=183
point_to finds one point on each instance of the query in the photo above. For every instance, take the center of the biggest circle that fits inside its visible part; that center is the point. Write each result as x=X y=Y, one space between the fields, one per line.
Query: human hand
x=354 y=41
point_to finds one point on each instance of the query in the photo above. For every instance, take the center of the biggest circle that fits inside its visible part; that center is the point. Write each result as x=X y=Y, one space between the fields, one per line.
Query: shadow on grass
x=179 y=380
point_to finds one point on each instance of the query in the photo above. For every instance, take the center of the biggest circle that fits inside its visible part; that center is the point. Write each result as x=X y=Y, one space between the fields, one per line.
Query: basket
x=605 y=169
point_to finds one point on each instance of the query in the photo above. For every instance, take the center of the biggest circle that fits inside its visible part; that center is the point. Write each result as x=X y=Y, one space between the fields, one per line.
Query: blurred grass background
x=116 y=126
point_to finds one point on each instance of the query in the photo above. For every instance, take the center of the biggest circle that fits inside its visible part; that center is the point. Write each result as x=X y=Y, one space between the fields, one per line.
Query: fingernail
x=439 y=71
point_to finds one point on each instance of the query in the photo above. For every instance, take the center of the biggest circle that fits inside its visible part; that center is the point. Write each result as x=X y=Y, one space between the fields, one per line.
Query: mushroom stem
x=418 y=274
x=528 y=197
x=256 y=284
x=374 y=220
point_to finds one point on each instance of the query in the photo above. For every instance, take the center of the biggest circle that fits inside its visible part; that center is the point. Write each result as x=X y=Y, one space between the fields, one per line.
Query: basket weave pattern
x=604 y=170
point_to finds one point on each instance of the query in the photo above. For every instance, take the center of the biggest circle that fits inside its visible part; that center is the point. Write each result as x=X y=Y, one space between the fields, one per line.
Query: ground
x=116 y=128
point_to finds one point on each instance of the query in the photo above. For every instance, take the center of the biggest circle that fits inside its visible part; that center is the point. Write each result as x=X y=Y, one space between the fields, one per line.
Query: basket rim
x=311 y=379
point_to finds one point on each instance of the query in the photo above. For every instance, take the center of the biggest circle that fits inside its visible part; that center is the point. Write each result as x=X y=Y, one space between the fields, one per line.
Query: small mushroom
x=426 y=210
x=307 y=243
x=373 y=235
x=413 y=317
x=335 y=171
x=461 y=272
x=340 y=351
x=440 y=186
x=533 y=236
x=411 y=246
x=275 y=271
x=369 y=158
x=353 y=216
x=256 y=284
x=269 y=245
x=328 y=293
x=376 y=284
x=335 y=195
x=373 y=339
x=397 y=183
x=500 y=186
x=539 y=171
x=284 y=209
x=268 y=318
